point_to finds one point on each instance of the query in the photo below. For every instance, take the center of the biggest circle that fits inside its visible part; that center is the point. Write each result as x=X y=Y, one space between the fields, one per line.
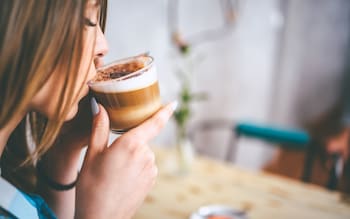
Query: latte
x=129 y=91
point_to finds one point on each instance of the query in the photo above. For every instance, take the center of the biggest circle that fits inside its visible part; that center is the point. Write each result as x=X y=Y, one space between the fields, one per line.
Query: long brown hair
x=36 y=37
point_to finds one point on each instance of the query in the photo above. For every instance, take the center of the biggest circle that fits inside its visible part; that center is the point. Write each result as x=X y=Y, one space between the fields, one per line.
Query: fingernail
x=94 y=107
x=174 y=105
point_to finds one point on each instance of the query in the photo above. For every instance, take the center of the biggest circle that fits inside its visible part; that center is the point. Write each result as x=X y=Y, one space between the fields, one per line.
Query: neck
x=6 y=131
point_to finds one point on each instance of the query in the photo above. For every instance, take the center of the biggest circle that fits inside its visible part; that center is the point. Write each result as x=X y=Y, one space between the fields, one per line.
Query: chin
x=72 y=113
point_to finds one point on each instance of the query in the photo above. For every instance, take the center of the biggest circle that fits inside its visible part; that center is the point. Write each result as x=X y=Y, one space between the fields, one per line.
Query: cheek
x=86 y=72
x=87 y=68
x=46 y=101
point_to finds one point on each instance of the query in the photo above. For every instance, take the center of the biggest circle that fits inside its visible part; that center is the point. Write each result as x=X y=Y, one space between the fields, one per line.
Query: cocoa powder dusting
x=118 y=71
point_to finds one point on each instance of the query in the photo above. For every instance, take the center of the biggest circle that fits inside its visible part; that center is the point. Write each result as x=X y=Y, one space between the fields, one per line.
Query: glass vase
x=184 y=151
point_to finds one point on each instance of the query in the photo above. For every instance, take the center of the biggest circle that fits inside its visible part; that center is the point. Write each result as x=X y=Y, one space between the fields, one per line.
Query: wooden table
x=260 y=195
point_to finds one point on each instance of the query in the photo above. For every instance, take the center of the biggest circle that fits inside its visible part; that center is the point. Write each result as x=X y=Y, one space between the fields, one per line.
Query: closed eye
x=89 y=23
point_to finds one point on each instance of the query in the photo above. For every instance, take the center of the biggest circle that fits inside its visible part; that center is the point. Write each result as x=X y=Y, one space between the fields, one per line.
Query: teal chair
x=292 y=139
x=281 y=137
x=289 y=139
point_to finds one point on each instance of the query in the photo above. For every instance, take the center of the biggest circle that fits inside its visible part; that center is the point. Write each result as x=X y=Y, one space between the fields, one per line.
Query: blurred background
x=278 y=65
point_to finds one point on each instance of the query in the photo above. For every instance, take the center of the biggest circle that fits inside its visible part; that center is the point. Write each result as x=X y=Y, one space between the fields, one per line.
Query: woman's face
x=47 y=99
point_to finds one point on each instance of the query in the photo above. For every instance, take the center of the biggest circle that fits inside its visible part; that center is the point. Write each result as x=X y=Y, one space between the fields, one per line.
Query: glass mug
x=129 y=91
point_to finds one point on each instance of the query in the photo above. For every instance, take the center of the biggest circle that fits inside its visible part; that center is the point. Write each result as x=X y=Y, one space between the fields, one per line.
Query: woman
x=49 y=50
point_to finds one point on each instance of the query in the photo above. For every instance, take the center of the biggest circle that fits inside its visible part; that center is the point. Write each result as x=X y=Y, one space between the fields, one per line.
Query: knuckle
x=129 y=147
x=130 y=144
x=130 y=150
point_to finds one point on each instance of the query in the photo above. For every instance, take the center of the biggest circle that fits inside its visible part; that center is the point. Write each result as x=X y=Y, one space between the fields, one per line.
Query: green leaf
x=185 y=49
x=182 y=115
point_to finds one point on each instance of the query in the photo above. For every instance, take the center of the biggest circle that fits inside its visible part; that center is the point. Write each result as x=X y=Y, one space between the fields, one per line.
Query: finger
x=151 y=127
x=100 y=129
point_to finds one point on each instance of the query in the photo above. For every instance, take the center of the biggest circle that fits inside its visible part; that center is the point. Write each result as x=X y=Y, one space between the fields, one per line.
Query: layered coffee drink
x=129 y=91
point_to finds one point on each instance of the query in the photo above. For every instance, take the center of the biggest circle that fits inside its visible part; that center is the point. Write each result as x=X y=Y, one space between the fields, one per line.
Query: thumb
x=100 y=129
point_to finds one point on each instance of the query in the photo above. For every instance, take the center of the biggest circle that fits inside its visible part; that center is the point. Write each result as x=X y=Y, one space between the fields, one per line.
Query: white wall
x=314 y=59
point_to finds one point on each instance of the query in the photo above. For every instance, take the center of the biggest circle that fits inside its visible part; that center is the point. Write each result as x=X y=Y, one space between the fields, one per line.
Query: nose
x=101 y=47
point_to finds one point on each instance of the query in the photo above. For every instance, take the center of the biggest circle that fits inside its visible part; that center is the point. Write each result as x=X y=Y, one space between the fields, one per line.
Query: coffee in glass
x=129 y=91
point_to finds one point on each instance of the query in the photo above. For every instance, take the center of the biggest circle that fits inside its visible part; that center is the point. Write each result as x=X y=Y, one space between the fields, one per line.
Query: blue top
x=17 y=204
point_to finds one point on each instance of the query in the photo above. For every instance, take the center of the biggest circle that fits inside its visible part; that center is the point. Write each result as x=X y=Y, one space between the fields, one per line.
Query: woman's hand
x=115 y=180
x=339 y=144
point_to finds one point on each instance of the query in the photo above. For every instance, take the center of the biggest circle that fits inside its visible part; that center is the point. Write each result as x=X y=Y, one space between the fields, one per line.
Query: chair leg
x=333 y=175
x=308 y=162
x=232 y=148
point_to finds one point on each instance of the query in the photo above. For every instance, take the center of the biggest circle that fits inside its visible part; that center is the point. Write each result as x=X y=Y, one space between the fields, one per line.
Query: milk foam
x=147 y=78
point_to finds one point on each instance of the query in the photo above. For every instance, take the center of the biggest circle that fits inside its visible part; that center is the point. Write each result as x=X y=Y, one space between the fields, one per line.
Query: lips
x=98 y=62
